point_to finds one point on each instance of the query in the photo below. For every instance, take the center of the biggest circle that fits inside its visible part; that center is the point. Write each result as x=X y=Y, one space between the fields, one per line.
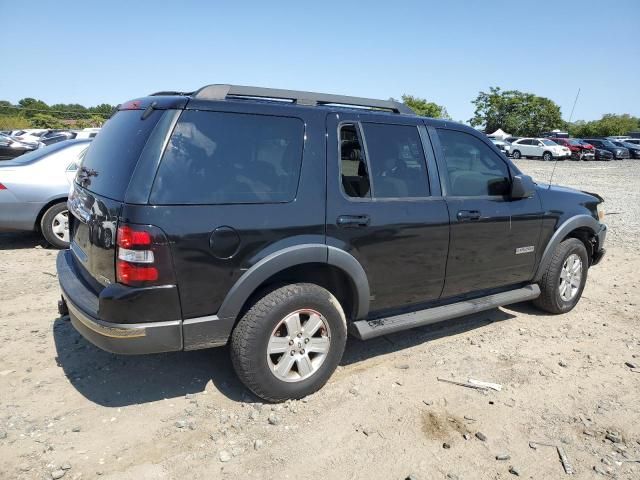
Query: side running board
x=366 y=329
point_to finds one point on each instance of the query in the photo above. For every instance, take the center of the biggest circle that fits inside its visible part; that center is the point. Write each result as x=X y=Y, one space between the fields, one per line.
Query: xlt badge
x=525 y=250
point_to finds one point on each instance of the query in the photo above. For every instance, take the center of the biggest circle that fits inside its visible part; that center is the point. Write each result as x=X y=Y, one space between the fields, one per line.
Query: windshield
x=608 y=143
x=549 y=142
x=575 y=143
x=39 y=154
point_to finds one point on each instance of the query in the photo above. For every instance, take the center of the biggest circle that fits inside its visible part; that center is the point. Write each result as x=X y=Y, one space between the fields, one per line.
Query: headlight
x=600 y=209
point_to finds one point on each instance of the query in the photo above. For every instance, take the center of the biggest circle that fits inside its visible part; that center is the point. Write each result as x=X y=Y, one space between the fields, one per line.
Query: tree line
x=33 y=113
x=515 y=112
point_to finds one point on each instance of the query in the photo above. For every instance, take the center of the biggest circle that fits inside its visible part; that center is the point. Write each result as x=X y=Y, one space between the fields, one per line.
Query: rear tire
x=564 y=280
x=516 y=154
x=54 y=225
x=274 y=351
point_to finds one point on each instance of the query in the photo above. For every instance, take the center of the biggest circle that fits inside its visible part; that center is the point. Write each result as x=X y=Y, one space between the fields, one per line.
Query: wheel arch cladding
x=582 y=227
x=332 y=268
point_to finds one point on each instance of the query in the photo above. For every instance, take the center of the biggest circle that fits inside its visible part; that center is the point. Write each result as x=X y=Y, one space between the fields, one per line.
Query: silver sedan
x=34 y=189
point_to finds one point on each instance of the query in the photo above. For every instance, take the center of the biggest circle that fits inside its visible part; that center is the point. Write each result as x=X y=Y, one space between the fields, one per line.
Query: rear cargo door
x=100 y=187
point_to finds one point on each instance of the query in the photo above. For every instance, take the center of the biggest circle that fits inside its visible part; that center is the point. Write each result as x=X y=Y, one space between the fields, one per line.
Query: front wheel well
x=587 y=237
x=45 y=208
x=324 y=275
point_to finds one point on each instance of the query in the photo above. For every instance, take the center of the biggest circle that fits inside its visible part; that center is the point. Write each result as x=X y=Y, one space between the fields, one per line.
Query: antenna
x=574 y=106
x=570 y=118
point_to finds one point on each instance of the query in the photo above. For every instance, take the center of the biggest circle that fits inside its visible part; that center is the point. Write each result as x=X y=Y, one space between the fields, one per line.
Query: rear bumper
x=88 y=310
x=124 y=338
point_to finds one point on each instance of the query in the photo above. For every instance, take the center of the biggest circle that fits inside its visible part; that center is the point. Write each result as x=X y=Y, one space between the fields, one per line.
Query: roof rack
x=222 y=92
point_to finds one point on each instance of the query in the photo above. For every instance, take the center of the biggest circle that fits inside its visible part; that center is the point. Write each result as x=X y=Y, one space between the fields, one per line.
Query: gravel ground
x=69 y=410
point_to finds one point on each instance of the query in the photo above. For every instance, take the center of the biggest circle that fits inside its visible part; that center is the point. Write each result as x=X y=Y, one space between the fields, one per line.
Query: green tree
x=424 y=107
x=609 y=124
x=515 y=112
x=32 y=107
x=43 y=120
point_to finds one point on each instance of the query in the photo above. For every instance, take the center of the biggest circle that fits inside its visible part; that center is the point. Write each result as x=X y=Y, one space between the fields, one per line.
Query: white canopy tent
x=500 y=134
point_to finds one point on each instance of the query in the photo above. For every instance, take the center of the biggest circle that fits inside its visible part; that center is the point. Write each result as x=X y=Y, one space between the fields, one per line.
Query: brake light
x=127 y=237
x=143 y=256
x=129 y=273
x=2 y=187
x=132 y=105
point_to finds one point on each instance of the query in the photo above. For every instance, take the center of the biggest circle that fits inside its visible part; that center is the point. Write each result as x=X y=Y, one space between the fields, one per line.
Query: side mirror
x=522 y=186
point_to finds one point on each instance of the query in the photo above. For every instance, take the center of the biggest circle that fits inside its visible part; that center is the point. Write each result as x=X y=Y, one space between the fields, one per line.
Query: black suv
x=618 y=153
x=278 y=221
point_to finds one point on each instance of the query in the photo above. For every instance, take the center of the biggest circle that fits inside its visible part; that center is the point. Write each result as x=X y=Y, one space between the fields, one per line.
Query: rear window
x=112 y=156
x=216 y=158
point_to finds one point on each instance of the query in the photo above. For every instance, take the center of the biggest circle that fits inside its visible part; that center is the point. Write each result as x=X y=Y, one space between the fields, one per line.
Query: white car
x=30 y=135
x=539 y=148
x=502 y=145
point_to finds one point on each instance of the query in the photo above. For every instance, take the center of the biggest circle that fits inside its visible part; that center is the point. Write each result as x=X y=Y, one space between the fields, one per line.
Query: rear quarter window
x=110 y=160
x=222 y=158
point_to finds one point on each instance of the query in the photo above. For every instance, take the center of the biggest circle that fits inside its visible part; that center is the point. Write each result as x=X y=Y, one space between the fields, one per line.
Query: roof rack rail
x=222 y=92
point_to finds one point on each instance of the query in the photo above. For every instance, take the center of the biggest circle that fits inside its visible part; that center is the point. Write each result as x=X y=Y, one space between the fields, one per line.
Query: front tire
x=564 y=280
x=54 y=225
x=547 y=157
x=516 y=154
x=289 y=342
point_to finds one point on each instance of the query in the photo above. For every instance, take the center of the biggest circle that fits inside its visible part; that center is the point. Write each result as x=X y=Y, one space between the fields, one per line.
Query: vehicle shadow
x=21 y=240
x=118 y=380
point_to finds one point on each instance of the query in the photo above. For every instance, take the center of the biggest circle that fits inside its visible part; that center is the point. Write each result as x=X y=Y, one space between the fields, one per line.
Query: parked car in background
x=634 y=150
x=539 y=148
x=30 y=135
x=34 y=189
x=604 y=155
x=635 y=141
x=618 y=152
x=578 y=150
x=86 y=133
x=505 y=147
x=511 y=139
x=58 y=137
x=12 y=148
x=618 y=138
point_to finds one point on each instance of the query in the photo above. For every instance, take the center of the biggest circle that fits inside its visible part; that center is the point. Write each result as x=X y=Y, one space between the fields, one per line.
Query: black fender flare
x=578 y=221
x=290 y=257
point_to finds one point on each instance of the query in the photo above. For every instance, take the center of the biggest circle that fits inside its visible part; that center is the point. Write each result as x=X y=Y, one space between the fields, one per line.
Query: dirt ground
x=67 y=408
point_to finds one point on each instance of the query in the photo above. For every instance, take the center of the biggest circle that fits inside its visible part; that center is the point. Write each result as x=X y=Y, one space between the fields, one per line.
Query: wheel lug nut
x=290 y=342
x=293 y=352
x=299 y=334
x=306 y=340
x=302 y=352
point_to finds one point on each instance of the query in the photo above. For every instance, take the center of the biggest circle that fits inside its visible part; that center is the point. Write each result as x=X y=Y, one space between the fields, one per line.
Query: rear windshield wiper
x=148 y=111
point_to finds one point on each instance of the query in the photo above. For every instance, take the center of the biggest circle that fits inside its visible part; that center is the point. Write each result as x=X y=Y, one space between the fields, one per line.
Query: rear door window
x=221 y=158
x=398 y=165
x=113 y=155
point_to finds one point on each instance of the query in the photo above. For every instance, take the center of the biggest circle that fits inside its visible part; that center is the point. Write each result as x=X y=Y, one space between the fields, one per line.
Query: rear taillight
x=143 y=256
x=2 y=187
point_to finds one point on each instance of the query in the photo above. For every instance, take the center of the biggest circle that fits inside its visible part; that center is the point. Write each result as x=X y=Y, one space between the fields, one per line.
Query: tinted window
x=473 y=168
x=217 y=157
x=112 y=156
x=398 y=167
x=353 y=167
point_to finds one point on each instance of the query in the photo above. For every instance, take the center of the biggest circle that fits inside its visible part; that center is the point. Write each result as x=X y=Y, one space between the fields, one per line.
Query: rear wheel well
x=45 y=208
x=586 y=236
x=324 y=275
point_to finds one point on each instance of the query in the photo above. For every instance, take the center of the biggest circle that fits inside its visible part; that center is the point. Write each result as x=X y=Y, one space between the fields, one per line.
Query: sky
x=445 y=51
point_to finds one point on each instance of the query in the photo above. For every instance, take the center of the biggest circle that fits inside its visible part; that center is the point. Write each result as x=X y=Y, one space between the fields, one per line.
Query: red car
x=579 y=151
